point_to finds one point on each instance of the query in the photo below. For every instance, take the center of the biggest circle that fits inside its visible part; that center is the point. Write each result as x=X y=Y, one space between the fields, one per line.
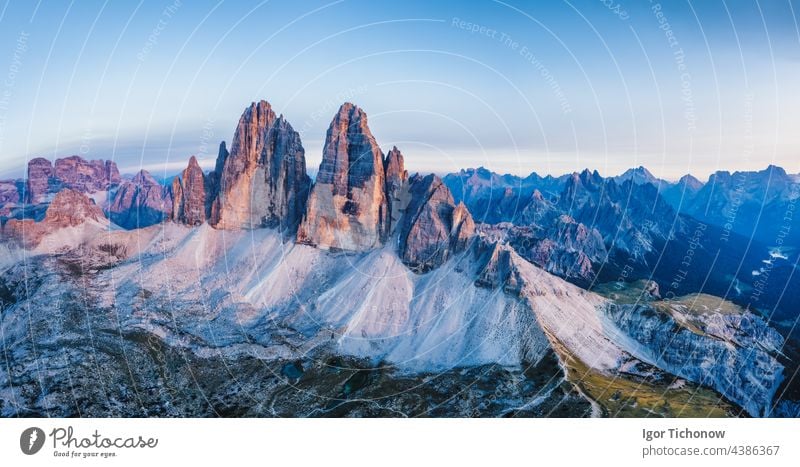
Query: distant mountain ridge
x=648 y=225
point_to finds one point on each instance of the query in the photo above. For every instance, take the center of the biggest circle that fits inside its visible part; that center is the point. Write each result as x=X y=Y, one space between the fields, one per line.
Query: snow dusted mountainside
x=384 y=299
x=231 y=295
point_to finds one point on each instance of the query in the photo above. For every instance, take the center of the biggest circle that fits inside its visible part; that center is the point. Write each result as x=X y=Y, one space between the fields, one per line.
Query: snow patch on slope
x=573 y=315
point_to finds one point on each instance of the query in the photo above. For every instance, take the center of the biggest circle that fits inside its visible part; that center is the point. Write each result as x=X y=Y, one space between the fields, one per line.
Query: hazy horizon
x=168 y=169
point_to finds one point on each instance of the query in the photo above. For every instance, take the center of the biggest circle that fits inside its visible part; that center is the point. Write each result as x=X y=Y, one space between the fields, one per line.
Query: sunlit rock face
x=242 y=185
x=262 y=182
x=213 y=180
x=347 y=208
x=69 y=208
x=189 y=196
x=396 y=185
x=140 y=202
x=433 y=227
x=287 y=185
x=40 y=178
x=45 y=179
x=9 y=192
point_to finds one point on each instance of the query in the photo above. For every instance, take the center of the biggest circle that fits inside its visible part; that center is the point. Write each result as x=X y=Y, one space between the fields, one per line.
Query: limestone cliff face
x=396 y=185
x=189 y=196
x=40 y=178
x=433 y=227
x=561 y=246
x=213 y=180
x=140 y=202
x=283 y=163
x=242 y=185
x=69 y=208
x=263 y=181
x=10 y=196
x=347 y=208
x=72 y=172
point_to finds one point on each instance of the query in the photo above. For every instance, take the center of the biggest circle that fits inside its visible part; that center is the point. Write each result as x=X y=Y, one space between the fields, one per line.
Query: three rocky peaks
x=361 y=199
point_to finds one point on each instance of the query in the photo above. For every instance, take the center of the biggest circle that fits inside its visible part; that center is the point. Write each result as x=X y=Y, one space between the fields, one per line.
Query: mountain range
x=253 y=290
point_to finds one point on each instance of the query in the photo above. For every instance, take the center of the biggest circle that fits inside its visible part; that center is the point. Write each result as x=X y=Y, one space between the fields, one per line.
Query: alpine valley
x=253 y=290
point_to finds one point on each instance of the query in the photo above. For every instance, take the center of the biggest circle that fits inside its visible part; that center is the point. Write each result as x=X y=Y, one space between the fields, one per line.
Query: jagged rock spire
x=347 y=208
x=140 y=202
x=240 y=192
x=263 y=180
x=189 y=199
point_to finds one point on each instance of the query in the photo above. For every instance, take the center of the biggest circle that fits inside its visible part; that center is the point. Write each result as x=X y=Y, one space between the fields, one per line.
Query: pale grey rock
x=262 y=182
x=735 y=354
x=396 y=185
x=242 y=184
x=347 y=208
x=86 y=176
x=189 y=200
x=433 y=227
x=284 y=171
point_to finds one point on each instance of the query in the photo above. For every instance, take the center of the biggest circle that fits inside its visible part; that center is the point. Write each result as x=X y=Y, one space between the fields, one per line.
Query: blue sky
x=515 y=86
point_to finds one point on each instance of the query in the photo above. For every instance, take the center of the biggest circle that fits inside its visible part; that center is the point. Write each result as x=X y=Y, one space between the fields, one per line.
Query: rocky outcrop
x=462 y=228
x=40 y=180
x=86 y=176
x=574 y=236
x=189 y=199
x=396 y=180
x=433 y=228
x=9 y=192
x=242 y=183
x=732 y=352
x=72 y=172
x=633 y=219
x=262 y=182
x=682 y=194
x=347 y=208
x=562 y=247
x=581 y=188
x=751 y=203
x=538 y=210
x=10 y=196
x=69 y=208
x=640 y=175
x=651 y=289
x=140 y=202
x=213 y=180
x=495 y=268
x=25 y=232
x=287 y=185
x=493 y=198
